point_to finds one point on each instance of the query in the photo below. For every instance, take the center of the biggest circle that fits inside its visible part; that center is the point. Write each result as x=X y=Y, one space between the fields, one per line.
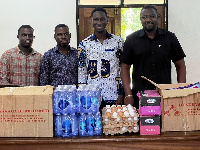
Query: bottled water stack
x=64 y=99
x=88 y=98
x=90 y=124
x=64 y=109
x=76 y=111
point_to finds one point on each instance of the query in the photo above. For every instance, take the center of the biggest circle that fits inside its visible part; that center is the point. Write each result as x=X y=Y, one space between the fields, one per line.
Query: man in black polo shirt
x=151 y=51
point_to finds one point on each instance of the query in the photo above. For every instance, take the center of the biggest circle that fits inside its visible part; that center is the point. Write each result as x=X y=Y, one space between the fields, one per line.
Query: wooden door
x=161 y=14
x=85 y=23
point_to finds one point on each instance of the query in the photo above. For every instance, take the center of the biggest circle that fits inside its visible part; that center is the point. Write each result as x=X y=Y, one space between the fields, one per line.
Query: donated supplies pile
x=119 y=119
x=26 y=111
x=150 y=111
x=76 y=111
x=180 y=106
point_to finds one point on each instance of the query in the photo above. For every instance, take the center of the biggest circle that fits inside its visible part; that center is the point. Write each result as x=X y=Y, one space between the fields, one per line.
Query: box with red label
x=149 y=103
x=180 y=107
x=149 y=125
x=26 y=111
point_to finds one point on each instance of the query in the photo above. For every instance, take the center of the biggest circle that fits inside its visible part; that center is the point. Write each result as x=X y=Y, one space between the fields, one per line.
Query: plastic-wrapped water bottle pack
x=76 y=111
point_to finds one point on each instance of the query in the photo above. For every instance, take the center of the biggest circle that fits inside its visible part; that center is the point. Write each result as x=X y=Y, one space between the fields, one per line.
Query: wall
x=42 y=15
x=184 y=21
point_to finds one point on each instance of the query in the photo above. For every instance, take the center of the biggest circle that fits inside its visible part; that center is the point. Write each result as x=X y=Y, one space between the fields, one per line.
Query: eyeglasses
x=150 y=17
x=28 y=35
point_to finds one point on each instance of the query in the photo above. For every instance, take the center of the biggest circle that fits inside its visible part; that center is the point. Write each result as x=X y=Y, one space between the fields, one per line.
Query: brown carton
x=26 y=111
x=180 y=107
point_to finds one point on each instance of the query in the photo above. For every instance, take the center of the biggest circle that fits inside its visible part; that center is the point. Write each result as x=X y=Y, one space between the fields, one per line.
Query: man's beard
x=26 y=46
x=149 y=29
x=153 y=28
x=64 y=45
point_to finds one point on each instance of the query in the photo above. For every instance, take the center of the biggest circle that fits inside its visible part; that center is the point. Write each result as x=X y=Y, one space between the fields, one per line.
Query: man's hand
x=119 y=100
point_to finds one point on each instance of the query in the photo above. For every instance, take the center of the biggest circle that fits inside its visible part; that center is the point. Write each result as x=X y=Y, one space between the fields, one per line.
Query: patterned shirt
x=99 y=64
x=20 y=69
x=59 y=69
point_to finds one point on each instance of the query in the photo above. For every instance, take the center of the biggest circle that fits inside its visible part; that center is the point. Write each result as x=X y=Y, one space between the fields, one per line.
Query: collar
x=93 y=36
x=56 y=49
x=19 y=51
x=158 y=32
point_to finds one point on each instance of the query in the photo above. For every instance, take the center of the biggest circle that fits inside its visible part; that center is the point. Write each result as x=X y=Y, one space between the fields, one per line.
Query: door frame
x=117 y=6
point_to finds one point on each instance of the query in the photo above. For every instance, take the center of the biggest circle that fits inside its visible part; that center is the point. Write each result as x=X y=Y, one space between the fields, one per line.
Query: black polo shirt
x=151 y=57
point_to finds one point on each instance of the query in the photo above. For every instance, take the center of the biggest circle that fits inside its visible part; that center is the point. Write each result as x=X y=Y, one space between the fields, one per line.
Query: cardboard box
x=180 y=107
x=149 y=125
x=26 y=111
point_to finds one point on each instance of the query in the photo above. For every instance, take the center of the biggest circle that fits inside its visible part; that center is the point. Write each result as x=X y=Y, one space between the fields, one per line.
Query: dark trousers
x=136 y=99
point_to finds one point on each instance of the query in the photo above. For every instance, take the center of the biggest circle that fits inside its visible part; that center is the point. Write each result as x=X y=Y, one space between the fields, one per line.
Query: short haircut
x=60 y=26
x=25 y=26
x=149 y=7
x=99 y=9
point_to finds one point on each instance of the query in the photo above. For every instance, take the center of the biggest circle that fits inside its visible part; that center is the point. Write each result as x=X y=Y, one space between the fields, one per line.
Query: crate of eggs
x=119 y=119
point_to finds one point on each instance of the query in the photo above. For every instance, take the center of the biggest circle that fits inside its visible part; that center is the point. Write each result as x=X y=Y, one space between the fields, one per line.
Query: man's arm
x=125 y=77
x=44 y=71
x=4 y=69
x=180 y=70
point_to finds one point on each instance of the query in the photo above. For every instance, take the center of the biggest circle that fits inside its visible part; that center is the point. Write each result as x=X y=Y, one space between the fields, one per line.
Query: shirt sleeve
x=177 y=50
x=44 y=71
x=127 y=54
x=82 y=68
x=4 y=69
x=119 y=53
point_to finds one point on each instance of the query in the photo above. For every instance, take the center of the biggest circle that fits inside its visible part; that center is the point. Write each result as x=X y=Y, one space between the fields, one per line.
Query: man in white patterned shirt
x=99 y=56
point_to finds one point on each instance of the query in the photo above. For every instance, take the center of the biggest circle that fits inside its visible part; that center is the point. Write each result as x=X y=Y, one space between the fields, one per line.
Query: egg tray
x=119 y=123
x=108 y=116
x=113 y=129
x=118 y=119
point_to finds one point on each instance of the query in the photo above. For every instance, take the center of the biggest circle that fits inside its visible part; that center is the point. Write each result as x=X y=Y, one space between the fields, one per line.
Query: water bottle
x=94 y=100
x=98 y=125
x=56 y=99
x=78 y=103
x=90 y=124
x=80 y=99
x=69 y=102
x=82 y=125
x=74 y=122
x=88 y=103
x=62 y=101
x=66 y=125
x=95 y=97
x=73 y=97
x=58 y=125
x=85 y=102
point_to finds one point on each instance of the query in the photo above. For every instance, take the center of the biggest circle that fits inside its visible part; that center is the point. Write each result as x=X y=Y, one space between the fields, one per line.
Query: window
x=144 y=2
x=99 y=2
